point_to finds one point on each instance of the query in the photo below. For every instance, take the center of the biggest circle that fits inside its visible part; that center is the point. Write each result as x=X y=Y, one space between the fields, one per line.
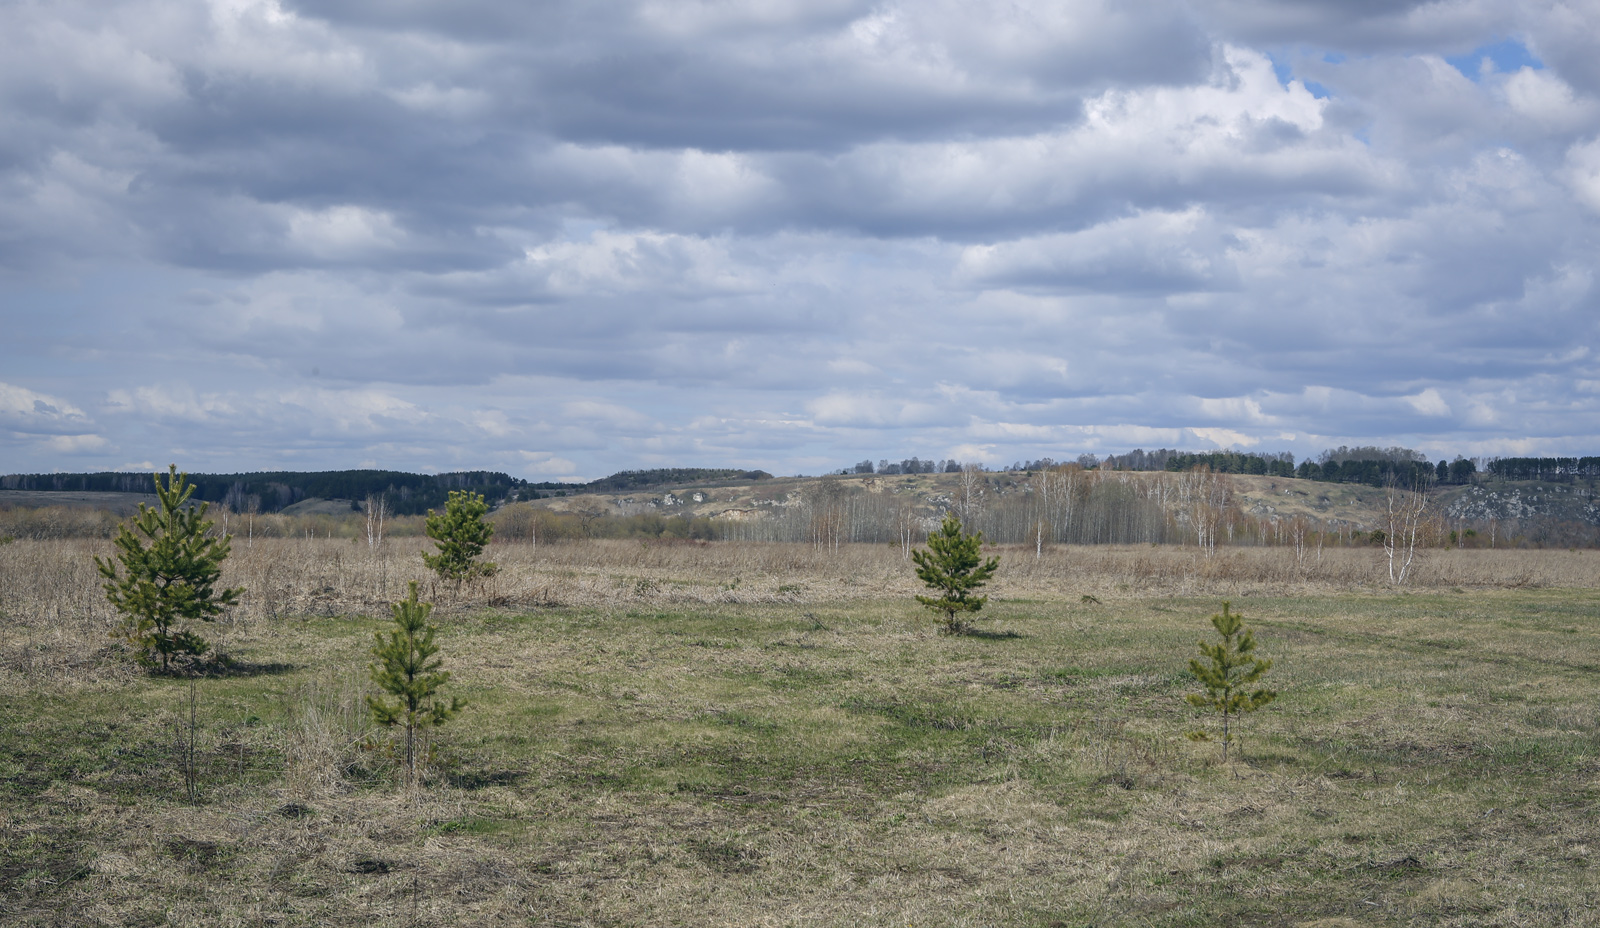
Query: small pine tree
x=460 y=534
x=1232 y=669
x=953 y=566
x=170 y=574
x=406 y=669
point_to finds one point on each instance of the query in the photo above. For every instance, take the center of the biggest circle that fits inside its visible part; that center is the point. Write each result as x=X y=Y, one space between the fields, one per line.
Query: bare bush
x=56 y=522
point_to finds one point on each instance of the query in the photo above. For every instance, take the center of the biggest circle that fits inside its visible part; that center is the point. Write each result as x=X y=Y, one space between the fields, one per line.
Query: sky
x=563 y=239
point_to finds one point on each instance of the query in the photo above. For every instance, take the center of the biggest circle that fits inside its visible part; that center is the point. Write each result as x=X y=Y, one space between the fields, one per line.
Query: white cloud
x=1241 y=409
x=25 y=410
x=454 y=102
x=974 y=454
x=177 y=401
x=608 y=263
x=1547 y=100
x=1225 y=438
x=343 y=411
x=1582 y=172
x=608 y=414
x=340 y=231
x=861 y=410
x=1429 y=403
x=546 y=464
x=1152 y=251
x=75 y=444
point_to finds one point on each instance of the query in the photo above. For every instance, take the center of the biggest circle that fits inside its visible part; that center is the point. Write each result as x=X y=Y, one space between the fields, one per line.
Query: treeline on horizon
x=274 y=491
x=403 y=493
x=1368 y=465
x=626 y=480
x=414 y=494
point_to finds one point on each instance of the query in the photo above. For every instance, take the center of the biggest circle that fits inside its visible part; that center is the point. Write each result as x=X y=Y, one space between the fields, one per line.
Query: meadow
x=721 y=734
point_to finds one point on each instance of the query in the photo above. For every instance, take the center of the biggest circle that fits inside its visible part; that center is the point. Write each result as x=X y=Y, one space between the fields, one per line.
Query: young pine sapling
x=405 y=668
x=953 y=566
x=460 y=534
x=1231 y=669
x=170 y=570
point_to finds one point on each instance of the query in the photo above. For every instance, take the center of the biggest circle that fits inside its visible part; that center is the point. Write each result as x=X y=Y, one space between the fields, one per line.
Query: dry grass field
x=775 y=735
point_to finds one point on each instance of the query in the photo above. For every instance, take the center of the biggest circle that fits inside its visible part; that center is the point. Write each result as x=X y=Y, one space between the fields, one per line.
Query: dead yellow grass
x=51 y=591
x=55 y=580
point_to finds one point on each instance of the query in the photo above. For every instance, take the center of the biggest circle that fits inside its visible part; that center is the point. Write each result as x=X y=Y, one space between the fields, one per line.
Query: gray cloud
x=568 y=238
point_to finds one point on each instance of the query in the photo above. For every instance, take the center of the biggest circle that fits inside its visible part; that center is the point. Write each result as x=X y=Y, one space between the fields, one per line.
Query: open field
x=121 y=504
x=771 y=734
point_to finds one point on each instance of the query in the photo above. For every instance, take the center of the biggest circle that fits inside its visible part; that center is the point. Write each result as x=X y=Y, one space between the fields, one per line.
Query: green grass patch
x=1430 y=758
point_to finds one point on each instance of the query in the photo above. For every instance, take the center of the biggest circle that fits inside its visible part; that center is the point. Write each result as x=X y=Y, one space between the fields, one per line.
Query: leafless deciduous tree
x=1405 y=513
x=827 y=501
x=377 y=509
x=1297 y=537
x=972 y=492
x=1204 y=498
x=1055 y=491
x=252 y=506
x=907 y=523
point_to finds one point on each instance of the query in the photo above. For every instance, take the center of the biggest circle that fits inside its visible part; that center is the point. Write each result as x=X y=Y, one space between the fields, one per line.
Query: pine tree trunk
x=411 y=753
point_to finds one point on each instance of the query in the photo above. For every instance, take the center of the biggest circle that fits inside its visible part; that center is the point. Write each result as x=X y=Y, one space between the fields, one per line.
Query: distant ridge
x=626 y=480
x=405 y=493
x=271 y=491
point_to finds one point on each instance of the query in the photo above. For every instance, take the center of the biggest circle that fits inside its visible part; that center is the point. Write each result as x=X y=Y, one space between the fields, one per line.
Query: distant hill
x=273 y=491
x=629 y=480
x=1111 y=507
x=406 y=494
x=1114 y=506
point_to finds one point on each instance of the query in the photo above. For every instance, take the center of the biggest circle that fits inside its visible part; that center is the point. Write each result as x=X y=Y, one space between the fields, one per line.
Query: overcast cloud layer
x=567 y=238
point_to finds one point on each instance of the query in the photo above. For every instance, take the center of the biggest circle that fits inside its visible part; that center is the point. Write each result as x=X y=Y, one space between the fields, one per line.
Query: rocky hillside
x=1334 y=504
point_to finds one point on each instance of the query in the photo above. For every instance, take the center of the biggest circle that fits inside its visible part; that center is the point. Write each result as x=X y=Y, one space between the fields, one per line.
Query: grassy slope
x=1434 y=759
x=122 y=504
x=1355 y=504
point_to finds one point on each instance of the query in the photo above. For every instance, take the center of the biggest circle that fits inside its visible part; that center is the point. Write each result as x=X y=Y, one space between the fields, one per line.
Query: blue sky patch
x=1507 y=56
x=1285 y=74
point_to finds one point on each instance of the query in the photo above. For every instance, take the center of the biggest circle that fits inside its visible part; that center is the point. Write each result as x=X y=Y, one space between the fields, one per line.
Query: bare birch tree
x=972 y=490
x=828 y=513
x=1405 y=513
x=1297 y=537
x=1040 y=512
x=252 y=506
x=1054 y=496
x=907 y=523
x=1204 y=498
x=377 y=509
